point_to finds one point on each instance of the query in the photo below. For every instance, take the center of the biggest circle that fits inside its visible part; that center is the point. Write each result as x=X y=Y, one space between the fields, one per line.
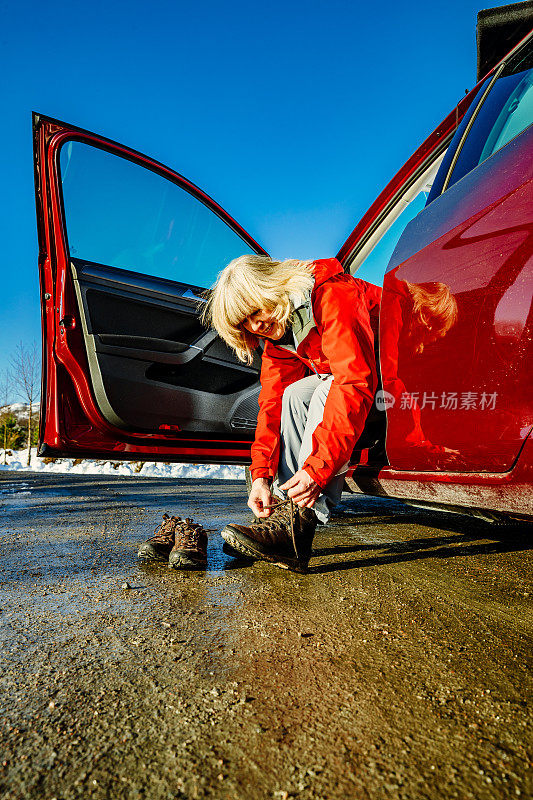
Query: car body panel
x=473 y=386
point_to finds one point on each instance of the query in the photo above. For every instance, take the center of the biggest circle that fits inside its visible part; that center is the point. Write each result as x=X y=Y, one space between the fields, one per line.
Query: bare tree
x=6 y=387
x=26 y=373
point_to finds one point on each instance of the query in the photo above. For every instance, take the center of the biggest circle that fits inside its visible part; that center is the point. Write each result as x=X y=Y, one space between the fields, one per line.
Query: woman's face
x=263 y=324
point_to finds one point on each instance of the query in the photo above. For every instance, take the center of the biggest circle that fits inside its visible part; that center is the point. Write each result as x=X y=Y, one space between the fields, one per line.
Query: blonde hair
x=248 y=284
x=434 y=311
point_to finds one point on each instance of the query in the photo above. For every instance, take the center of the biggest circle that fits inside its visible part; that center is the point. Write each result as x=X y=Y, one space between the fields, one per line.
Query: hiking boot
x=190 y=546
x=285 y=537
x=228 y=550
x=158 y=546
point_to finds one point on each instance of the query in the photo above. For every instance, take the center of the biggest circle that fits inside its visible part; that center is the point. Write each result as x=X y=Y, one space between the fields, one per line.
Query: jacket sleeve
x=347 y=340
x=279 y=368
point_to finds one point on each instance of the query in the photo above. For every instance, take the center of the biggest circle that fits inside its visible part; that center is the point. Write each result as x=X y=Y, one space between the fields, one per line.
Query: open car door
x=126 y=248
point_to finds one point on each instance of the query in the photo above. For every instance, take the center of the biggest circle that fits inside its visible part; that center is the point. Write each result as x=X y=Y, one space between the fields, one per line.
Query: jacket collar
x=303 y=320
x=325 y=268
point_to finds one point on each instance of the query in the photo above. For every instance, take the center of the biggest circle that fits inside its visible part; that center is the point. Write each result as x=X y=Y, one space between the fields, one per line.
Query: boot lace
x=283 y=512
x=165 y=532
x=189 y=534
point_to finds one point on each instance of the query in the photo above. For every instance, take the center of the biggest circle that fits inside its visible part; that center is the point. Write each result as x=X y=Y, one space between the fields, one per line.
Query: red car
x=127 y=246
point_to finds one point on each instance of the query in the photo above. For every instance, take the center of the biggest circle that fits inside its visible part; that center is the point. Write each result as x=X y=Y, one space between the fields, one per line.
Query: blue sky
x=292 y=115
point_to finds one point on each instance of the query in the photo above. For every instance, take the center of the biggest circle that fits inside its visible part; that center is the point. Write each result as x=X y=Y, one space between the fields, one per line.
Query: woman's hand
x=260 y=498
x=303 y=489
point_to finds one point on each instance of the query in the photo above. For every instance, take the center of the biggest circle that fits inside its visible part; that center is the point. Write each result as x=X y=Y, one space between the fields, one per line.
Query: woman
x=316 y=326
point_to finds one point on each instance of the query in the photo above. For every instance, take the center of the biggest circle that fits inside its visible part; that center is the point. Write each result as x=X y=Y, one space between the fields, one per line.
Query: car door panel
x=153 y=365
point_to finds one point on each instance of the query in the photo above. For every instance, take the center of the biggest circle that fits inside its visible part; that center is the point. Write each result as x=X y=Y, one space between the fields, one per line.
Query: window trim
x=468 y=128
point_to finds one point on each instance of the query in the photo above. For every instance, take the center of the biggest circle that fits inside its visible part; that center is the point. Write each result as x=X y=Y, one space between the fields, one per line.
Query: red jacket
x=340 y=342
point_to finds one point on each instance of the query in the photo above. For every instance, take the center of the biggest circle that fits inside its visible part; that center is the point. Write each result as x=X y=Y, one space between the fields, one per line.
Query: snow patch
x=19 y=409
x=17 y=460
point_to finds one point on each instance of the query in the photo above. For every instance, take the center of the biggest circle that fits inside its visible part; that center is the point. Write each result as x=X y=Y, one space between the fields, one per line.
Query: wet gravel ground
x=400 y=667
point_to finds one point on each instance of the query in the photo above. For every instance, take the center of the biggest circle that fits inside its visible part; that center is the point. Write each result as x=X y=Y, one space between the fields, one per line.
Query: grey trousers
x=302 y=410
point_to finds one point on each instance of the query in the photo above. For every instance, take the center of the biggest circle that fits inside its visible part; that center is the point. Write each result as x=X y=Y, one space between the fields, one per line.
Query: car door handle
x=144 y=348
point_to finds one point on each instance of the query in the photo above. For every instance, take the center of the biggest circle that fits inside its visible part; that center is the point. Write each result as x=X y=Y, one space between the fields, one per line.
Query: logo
x=384 y=400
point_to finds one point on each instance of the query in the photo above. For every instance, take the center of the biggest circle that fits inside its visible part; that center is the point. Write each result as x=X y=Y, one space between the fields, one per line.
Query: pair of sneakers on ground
x=285 y=538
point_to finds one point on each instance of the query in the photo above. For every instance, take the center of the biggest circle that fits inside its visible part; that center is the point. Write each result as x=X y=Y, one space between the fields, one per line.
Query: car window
x=120 y=214
x=371 y=260
x=505 y=113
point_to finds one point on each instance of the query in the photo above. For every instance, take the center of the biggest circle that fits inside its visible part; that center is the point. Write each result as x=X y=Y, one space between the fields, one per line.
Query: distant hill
x=19 y=410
